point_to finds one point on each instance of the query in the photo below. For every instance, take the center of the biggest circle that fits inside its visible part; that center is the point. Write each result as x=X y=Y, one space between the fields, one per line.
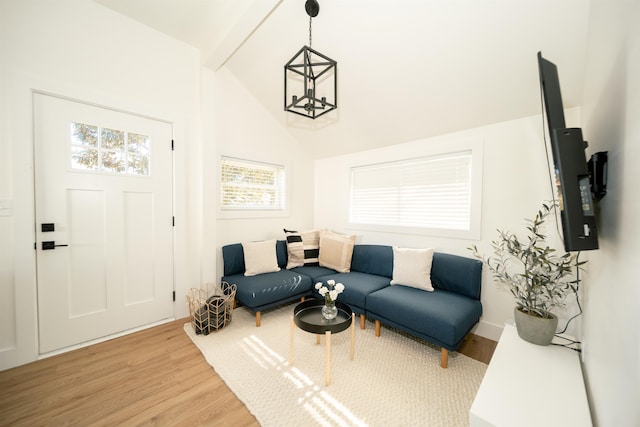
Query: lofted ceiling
x=407 y=69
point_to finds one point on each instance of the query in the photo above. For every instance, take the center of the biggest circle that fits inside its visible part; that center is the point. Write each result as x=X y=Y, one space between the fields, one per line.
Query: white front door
x=104 y=221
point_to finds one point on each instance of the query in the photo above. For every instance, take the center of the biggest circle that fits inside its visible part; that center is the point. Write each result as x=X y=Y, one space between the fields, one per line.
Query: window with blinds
x=249 y=185
x=432 y=192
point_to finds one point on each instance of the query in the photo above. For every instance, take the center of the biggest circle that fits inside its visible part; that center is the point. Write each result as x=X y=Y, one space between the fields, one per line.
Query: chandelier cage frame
x=310 y=72
x=310 y=78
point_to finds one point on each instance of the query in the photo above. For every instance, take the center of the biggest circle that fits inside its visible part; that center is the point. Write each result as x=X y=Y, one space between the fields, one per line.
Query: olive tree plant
x=537 y=276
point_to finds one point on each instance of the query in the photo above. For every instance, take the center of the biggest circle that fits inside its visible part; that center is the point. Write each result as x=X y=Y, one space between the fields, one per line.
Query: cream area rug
x=393 y=380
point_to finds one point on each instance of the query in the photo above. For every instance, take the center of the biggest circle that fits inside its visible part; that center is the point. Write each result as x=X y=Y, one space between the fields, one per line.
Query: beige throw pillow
x=260 y=257
x=336 y=251
x=412 y=267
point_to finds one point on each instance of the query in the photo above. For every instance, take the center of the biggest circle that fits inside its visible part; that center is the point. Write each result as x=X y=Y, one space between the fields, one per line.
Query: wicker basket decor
x=210 y=308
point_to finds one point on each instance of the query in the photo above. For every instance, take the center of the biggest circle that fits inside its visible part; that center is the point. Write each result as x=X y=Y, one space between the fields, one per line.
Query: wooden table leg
x=353 y=333
x=317 y=338
x=328 y=368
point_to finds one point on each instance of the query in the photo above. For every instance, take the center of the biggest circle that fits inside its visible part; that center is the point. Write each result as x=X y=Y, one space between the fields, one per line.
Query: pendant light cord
x=310 y=18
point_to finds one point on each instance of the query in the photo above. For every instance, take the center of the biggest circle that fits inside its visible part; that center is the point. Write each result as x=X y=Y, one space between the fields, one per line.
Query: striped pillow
x=303 y=248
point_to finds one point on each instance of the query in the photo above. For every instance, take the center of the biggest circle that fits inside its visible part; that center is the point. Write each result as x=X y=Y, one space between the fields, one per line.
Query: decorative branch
x=537 y=277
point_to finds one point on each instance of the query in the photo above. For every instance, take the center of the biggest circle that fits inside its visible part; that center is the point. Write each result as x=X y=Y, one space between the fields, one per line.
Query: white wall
x=515 y=183
x=87 y=52
x=236 y=125
x=611 y=351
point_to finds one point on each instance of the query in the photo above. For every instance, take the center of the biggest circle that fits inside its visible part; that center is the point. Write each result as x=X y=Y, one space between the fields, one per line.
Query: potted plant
x=537 y=276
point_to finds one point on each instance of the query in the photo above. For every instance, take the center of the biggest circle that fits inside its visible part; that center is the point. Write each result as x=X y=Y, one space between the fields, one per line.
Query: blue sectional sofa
x=443 y=317
x=268 y=290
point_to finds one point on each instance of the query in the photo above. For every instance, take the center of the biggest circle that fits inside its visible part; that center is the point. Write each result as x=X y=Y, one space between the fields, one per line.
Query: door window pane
x=113 y=161
x=138 y=152
x=138 y=144
x=111 y=151
x=138 y=165
x=113 y=139
x=84 y=158
x=85 y=135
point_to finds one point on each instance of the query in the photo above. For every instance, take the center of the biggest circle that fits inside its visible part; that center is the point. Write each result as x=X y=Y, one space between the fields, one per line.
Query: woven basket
x=211 y=308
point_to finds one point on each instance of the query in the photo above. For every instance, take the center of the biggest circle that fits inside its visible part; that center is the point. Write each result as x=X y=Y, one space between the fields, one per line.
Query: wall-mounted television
x=572 y=177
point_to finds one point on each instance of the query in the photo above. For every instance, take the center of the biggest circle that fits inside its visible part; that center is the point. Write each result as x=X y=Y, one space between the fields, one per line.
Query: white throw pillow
x=336 y=251
x=412 y=267
x=260 y=257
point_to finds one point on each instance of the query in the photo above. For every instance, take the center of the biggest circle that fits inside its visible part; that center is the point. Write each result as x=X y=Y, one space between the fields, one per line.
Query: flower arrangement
x=331 y=291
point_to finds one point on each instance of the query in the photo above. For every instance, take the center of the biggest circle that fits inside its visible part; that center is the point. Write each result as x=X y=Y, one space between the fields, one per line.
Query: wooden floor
x=152 y=377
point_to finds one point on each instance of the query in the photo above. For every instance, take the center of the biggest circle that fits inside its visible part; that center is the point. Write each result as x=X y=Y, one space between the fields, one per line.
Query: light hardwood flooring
x=153 y=377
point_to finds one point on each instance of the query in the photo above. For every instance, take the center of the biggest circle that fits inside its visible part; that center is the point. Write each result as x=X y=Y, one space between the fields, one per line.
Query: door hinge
x=174 y=296
x=172 y=148
x=173 y=221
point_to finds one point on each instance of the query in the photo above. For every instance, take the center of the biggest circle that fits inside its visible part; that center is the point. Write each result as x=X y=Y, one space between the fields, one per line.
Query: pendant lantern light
x=310 y=78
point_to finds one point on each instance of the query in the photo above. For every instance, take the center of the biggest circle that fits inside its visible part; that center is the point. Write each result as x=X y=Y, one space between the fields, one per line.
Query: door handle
x=50 y=245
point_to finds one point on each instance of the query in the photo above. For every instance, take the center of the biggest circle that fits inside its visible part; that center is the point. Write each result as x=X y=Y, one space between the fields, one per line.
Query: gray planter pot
x=534 y=329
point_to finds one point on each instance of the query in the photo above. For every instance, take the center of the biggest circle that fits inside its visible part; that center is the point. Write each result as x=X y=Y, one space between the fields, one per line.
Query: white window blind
x=249 y=185
x=427 y=192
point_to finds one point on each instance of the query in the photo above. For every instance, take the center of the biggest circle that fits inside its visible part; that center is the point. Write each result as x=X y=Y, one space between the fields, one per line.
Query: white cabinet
x=531 y=385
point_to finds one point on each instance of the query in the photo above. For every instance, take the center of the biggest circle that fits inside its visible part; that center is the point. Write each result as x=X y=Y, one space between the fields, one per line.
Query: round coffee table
x=308 y=316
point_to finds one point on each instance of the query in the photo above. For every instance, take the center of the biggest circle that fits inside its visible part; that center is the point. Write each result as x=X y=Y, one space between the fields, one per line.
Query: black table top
x=308 y=316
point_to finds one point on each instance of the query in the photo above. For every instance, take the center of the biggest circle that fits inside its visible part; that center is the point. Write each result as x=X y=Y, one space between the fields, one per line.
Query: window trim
x=474 y=231
x=224 y=212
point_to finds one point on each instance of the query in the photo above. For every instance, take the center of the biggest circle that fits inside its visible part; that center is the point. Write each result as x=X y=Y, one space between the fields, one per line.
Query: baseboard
x=488 y=330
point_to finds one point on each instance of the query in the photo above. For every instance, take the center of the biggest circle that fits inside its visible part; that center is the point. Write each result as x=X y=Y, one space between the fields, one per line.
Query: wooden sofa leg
x=258 y=318
x=444 y=357
x=362 y=320
x=377 y=328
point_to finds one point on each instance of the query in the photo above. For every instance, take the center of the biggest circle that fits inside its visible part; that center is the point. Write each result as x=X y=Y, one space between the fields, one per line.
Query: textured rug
x=394 y=380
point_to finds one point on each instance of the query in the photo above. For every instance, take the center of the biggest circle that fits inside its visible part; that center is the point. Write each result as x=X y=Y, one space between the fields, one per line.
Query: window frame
x=231 y=212
x=474 y=231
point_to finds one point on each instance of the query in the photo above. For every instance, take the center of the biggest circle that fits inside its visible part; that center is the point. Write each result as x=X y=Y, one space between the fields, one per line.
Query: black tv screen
x=570 y=163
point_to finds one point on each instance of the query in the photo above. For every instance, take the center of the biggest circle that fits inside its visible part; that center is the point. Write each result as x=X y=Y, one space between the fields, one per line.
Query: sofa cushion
x=314 y=272
x=260 y=257
x=303 y=248
x=373 y=259
x=281 y=252
x=412 y=267
x=356 y=287
x=268 y=289
x=457 y=274
x=440 y=316
x=336 y=251
x=233 y=259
